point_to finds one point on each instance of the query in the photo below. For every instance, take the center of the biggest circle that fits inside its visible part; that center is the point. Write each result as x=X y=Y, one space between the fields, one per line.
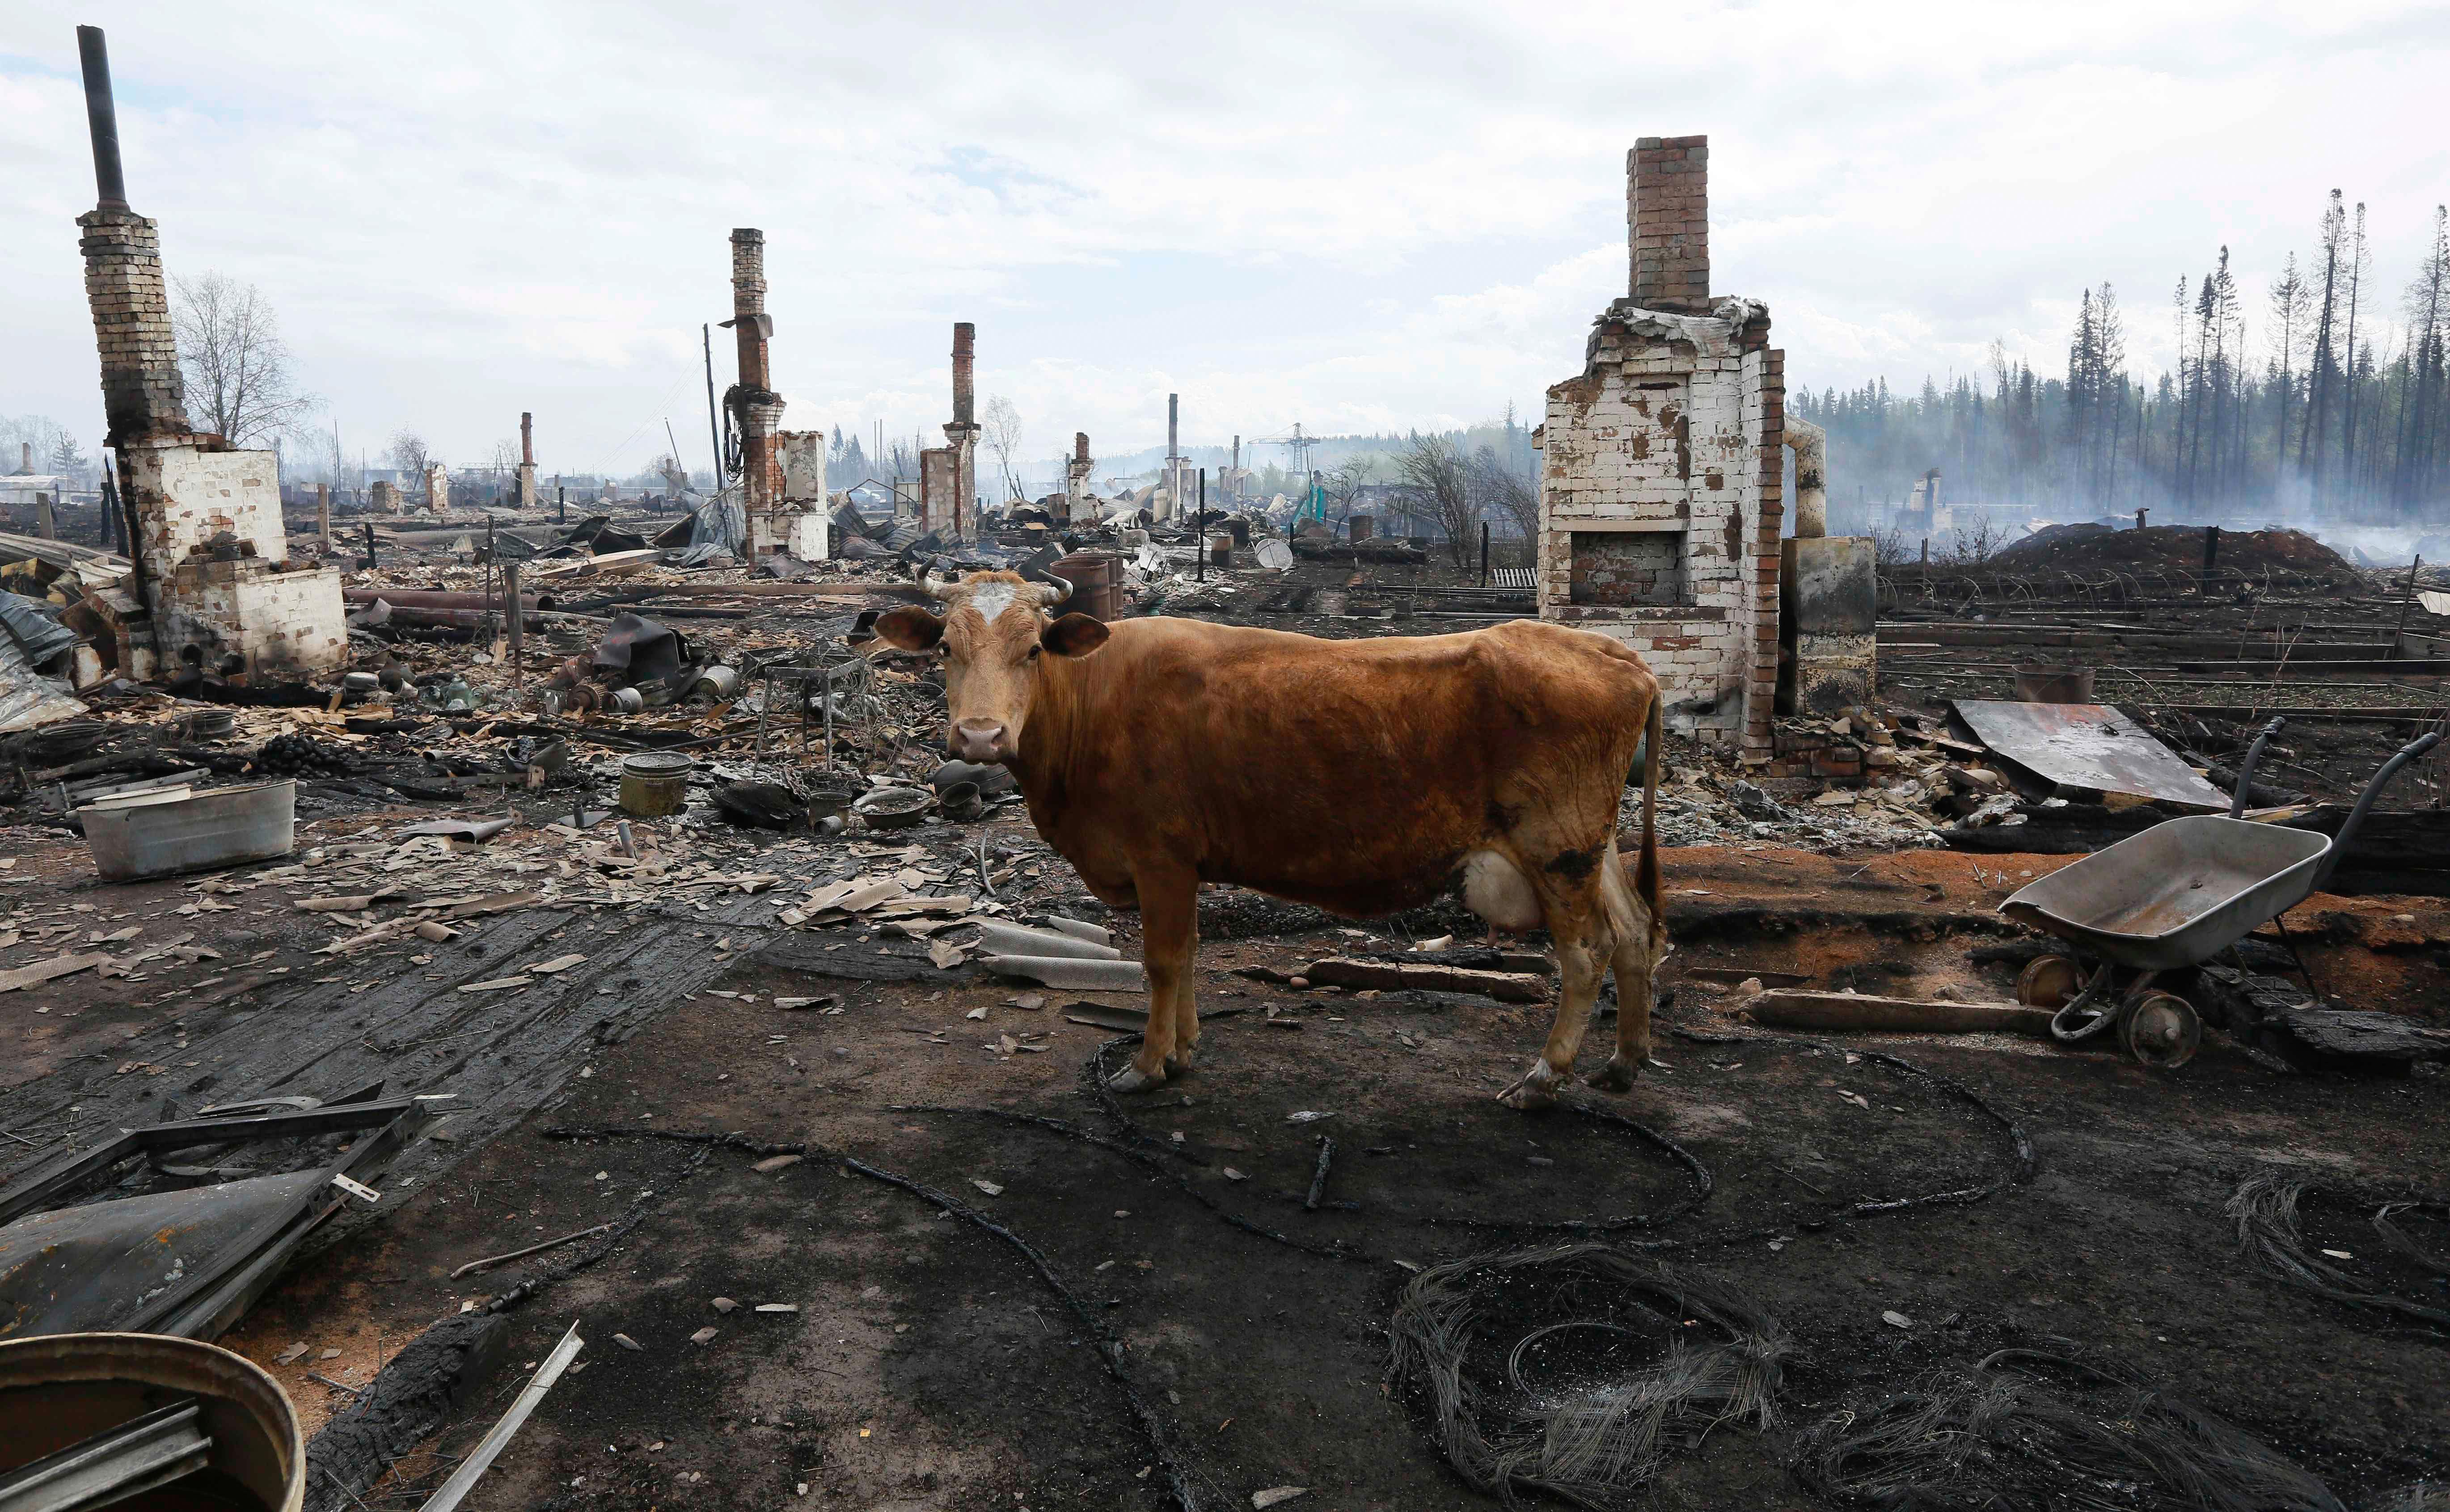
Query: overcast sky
x=1357 y=217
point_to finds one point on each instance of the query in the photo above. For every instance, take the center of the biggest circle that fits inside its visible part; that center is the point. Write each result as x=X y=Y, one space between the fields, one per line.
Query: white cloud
x=1350 y=216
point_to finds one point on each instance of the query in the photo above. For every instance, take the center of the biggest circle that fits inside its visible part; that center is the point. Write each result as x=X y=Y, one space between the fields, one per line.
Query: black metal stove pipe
x=102 y=120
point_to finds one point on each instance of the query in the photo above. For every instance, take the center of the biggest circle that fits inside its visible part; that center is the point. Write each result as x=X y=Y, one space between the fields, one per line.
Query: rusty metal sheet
x=2086 y=746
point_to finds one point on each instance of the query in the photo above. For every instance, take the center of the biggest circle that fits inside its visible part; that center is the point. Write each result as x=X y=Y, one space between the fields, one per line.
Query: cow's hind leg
x=1638 y=949
x=1578 y=922
x=1169 y=927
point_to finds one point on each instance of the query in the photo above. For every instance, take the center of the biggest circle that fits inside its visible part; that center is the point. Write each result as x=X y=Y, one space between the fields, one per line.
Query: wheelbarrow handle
x=2366 y=801
x=2254 y=754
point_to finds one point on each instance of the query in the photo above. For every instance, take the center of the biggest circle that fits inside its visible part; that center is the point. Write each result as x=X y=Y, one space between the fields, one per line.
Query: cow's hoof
x=1537 y=1089
x=1132 y=1078
x=1614 y=1077
x=1179 y=1064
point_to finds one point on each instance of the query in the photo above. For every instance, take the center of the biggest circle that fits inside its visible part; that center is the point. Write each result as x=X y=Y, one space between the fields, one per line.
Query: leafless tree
x=504 y=463
x=1506 y=494
x=1439 y=475
x=1972 y=543
x=231 y=355
x=1002 y=425
x=410 y=454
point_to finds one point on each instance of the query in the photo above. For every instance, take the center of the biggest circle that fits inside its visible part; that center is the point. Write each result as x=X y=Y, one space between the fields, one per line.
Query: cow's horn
x=1056 y=591
x=942 y=592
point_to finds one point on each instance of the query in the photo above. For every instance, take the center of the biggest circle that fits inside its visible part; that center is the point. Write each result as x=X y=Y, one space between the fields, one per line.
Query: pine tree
x=2289 y=297
x=2320 y=377
x=2357 y=364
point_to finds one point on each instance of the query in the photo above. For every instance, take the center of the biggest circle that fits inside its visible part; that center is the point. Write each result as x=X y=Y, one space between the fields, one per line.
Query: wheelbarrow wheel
x=2048 y=981
x=2161 y=1030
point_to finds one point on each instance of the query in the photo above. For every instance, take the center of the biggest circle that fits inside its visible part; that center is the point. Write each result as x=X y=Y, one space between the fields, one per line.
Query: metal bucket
x=1097 y=583
x=1221 y=550
x=61 y=1389
x=1361 y=527
x=655 y=783
x=221 y=826
x=2051 y=682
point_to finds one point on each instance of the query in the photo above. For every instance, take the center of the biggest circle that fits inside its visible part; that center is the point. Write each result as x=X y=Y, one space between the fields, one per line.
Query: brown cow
x=1359 y=776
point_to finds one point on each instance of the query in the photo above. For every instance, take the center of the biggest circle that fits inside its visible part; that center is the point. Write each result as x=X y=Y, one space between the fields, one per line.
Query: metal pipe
x=102 y=120
x=446 y=598
x=1172 y=427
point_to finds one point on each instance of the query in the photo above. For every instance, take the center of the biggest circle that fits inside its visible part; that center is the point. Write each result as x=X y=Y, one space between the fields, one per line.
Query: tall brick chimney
x=141 y=394
x=527 y=438
x=749 y=323
x=966 y=335
x=962 y=437
x=1079 y=446
x=1667 y=219
x=759 y=407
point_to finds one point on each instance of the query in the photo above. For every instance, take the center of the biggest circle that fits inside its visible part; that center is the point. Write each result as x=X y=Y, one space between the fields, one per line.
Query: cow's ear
x=910 y=628
x=1072 y=635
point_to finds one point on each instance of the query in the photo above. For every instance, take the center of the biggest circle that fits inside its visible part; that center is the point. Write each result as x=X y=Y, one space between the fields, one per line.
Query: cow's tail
x=1646 y=866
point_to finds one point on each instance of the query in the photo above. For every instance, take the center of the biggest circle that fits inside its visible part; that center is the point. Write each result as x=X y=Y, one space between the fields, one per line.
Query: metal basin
x=2177 y=894
x=2051 y=682
x=64 y=1387
x=219 y=826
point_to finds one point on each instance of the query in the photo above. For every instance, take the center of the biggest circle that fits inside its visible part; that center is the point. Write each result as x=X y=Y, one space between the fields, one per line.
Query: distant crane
x=1295 y=442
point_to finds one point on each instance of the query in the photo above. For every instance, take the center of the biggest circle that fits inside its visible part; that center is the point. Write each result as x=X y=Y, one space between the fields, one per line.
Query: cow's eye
x=1033 y=650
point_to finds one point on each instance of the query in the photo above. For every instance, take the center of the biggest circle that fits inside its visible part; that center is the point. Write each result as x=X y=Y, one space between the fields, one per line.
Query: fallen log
x=1793 y=1009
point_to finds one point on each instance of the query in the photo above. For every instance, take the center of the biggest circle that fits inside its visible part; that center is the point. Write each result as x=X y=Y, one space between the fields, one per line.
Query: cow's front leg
x=1579 y=964
x=1186 y=997
x=1169 y=929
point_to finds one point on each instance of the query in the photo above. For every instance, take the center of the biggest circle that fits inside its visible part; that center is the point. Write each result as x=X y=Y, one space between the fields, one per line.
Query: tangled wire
x=1573 y=1368
x=2023 y=1430
x=2264 y=1207
x=296 y=755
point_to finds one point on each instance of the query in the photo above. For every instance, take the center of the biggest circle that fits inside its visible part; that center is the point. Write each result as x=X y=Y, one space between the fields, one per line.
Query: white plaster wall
x=205 y=493
x=803 y=464
x=1673 y=455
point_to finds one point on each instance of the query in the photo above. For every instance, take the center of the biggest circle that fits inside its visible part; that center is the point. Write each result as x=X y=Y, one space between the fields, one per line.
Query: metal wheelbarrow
x=2172 y=897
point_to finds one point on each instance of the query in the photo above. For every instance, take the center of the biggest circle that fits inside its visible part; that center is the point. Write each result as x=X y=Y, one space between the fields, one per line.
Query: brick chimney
x=966 y=335
x=1667 y=218
x=142 y=394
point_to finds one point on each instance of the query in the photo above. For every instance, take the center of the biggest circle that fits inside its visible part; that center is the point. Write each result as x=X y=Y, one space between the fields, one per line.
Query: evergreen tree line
x=2318 y=404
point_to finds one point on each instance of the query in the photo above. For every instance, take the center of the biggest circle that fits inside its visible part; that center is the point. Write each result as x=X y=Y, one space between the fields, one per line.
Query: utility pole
x=714 y=432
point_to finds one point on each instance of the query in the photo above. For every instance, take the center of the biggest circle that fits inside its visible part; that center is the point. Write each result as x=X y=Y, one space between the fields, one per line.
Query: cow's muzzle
x=971 y=741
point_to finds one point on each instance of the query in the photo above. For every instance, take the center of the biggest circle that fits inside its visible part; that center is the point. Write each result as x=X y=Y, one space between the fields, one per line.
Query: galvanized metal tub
x=61 y=1389
x=219 y=826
